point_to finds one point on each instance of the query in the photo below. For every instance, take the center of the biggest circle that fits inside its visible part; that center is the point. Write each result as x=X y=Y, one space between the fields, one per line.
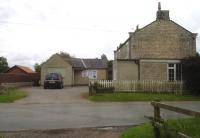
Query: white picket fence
x=141 y=86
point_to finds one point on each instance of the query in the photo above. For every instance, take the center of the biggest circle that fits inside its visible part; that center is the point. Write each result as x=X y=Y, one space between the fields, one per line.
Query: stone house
x=75 y=71
x=154 y=52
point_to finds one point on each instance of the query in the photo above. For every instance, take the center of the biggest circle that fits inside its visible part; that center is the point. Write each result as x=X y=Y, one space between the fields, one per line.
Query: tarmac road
x=69 y=110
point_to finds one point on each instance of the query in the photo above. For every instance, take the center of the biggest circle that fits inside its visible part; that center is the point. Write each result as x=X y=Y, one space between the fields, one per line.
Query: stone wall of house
x=162 y=39
x=78 y=79
x=57 y=62
x=123 y=52
x=125 y=70
x=102 y=74
x=153 y=71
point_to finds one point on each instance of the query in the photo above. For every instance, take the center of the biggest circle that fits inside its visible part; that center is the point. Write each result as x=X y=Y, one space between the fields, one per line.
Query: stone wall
x=102 y=74
x=162 y=40
x=57 y=62
x=123 y=52
x=125 y=70
x=17 y=84
x=78 y=79
x=153 y=71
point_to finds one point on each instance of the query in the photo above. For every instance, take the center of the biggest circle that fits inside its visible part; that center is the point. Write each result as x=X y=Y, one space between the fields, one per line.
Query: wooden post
x=156 y=116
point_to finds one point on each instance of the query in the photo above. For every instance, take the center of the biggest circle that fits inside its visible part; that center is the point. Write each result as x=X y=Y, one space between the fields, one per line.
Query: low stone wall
x=17 y=84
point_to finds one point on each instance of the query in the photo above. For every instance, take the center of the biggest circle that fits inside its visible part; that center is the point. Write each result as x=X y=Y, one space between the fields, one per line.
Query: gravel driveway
x=38 y=95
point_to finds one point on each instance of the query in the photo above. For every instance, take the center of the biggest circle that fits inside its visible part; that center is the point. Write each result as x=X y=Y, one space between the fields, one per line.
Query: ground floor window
x=91 y=74
x=174 y=72
x=84 y=73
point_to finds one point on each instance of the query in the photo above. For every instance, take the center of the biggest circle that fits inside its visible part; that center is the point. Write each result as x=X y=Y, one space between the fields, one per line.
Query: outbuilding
x=75 y=71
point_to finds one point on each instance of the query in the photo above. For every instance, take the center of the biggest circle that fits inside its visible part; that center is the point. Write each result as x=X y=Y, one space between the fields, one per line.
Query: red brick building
x=18 y=69
x=20 y=74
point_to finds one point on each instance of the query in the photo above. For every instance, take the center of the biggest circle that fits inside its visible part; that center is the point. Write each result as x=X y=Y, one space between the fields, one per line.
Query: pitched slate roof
x=77 y=63
x=86 y=63
x=95 y=63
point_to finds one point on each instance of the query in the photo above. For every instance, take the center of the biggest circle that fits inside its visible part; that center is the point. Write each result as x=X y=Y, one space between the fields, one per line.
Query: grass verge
x=126 y=97
x=9 y=95
x=188 y=126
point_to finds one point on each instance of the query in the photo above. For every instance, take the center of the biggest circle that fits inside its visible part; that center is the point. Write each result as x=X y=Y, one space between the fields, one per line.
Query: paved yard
x=38 y=95
x=58 y=109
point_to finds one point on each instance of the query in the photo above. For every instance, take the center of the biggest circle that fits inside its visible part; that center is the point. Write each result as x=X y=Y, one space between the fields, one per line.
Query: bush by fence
x=191 y=74
x=175 y=87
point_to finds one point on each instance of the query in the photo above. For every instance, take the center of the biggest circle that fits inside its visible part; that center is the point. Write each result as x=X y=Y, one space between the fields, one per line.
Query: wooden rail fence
x=158 y=122
x=140 y=86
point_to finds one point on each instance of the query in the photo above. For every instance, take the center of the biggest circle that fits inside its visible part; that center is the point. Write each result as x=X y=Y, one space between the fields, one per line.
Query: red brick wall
x=12 y=78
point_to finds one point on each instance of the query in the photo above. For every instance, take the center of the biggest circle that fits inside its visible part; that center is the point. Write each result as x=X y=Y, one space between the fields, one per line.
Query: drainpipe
x=138 y=63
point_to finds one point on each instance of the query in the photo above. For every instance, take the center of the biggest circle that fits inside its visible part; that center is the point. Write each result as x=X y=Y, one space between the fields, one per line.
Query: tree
x=37 y=67
x=65 y=54
x=191 y=74
x=3 y=64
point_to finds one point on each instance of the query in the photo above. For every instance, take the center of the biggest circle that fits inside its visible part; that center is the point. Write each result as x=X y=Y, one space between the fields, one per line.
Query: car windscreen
x=52 y=76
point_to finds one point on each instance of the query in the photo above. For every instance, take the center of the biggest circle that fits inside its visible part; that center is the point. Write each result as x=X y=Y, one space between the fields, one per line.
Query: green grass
x=11 y=95
x=126 y=97
x=189 y=126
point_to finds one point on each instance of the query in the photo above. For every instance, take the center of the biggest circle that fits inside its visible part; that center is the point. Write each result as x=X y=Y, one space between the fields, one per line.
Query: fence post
x=156 y=116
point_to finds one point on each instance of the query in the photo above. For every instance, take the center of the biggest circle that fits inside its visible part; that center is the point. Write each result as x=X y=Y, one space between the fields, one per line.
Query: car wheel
x=60 y=87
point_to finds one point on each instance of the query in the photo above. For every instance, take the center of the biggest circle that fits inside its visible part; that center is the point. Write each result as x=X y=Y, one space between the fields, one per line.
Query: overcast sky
x=32 y=30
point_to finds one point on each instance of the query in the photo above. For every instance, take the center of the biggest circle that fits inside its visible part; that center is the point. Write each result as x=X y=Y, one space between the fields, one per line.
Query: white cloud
x=30 y=31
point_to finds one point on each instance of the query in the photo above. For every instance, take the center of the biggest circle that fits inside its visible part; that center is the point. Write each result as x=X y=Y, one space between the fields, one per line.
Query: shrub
x=191 y=74
x=3 y=90
x=101 y=89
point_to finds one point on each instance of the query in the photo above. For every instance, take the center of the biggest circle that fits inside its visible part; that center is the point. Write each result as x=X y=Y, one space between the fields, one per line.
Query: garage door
x=62 y=71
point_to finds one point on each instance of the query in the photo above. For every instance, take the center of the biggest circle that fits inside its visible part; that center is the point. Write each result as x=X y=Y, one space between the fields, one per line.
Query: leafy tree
x=37 y=67
x=65 y=54
x=191 y=74
x=3 y=64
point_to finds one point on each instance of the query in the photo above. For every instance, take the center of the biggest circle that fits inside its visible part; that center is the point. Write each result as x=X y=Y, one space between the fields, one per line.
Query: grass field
x=11 y=94
x=126 y=97
x=189 y=126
